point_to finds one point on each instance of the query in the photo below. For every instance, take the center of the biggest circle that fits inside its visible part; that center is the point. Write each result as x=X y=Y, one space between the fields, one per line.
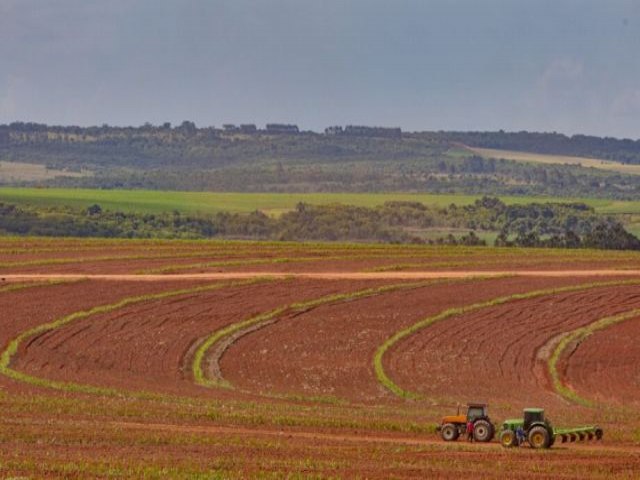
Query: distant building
x=248 y=128
x=282 y=128
x=230 y=127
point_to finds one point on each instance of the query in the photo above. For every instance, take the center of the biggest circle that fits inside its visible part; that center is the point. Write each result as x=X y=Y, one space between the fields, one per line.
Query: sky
x=571 y=66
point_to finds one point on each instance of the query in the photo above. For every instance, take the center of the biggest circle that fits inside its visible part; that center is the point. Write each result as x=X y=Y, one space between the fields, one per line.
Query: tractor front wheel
x=449 y=432
x=482 y=431
x=508 y=438
x=539 y=437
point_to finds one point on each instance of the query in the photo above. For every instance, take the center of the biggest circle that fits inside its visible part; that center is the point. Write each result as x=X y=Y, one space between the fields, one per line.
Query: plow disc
x=578 y=434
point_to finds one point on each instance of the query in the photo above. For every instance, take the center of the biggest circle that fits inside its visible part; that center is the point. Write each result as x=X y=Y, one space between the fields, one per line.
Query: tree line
x=559 y=225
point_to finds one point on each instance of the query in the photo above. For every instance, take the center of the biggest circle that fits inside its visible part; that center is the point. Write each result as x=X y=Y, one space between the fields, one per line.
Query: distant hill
x=547 y=158
x=281 y=158
x=605 y=148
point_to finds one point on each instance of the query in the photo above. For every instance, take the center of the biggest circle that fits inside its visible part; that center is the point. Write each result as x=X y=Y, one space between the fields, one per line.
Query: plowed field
x=605 y=365
x=292 y=360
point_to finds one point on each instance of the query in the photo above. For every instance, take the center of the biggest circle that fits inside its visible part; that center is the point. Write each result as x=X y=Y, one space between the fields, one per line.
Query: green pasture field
x=153 y=201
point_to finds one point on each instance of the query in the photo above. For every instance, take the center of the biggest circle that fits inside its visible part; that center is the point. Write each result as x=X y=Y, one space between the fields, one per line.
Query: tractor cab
x=476 y=411
x=533 y=416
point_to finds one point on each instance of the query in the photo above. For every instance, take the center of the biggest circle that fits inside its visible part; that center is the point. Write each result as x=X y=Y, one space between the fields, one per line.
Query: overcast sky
x=559 y=65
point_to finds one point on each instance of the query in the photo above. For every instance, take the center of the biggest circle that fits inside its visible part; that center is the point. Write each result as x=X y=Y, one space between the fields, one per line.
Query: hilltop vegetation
x=357 y=160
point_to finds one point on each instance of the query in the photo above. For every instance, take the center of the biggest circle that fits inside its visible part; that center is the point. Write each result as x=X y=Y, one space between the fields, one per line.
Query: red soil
x=148 y=346
x=604 y=366
x=329 y=351
x=427 y=258
x=30 y=307
x=251 y=453
x=498 y=353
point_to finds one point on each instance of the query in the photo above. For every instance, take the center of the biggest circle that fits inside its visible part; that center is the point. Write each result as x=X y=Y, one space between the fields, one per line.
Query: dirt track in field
x=409 y=275
x=595 y=446
x=336 y=437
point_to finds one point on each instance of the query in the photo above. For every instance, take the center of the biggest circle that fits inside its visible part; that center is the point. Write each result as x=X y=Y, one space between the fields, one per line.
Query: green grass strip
x=21 y=286
x=387 y=382
x=268 y=261
x=481 y=263
x=576 y=337
x=273 y=261
x=235 y=263
x=199 y=357
x=9 y=353
x=106 y=258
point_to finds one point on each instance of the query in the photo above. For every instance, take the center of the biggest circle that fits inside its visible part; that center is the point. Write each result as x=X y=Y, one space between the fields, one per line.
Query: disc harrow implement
x=578 y=434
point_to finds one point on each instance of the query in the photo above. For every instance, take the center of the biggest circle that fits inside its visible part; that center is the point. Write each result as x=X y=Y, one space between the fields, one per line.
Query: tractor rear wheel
x=599 y=433
x=482 y=431
x=449 y=432
x=539 y=437
x=508 y=438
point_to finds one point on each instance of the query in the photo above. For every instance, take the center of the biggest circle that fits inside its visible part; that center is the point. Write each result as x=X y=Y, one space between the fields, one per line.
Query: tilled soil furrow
x=513 y=354
x=333 y=354
x=148 y=342
x=604 y=365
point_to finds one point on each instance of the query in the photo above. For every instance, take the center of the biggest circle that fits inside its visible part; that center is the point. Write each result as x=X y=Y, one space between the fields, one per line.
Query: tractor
x=452 y=426
x=539 y=432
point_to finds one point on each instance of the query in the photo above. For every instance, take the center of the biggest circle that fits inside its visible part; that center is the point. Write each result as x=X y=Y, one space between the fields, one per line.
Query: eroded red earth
x=306 y=399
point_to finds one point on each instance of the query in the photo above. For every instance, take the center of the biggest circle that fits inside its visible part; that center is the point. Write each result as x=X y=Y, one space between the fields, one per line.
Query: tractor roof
x=477 y=404
x=534 y=410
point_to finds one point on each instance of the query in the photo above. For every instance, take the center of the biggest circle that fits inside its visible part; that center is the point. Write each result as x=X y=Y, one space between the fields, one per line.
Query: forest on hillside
x=285 y=159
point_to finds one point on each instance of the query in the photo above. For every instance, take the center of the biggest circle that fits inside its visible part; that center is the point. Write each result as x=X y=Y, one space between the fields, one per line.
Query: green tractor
x=538 y=431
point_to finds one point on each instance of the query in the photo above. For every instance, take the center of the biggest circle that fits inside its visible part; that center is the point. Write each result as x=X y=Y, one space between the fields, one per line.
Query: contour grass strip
x=386 y=268
x=387 y=382
x=233 y=263
x=475 y=262
x=252 y=261
x=256 y=261
x=279 y=260
x=106 y=258
x=9 y=353
x=576 y=337
x=223 y=334
x=21 y=286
